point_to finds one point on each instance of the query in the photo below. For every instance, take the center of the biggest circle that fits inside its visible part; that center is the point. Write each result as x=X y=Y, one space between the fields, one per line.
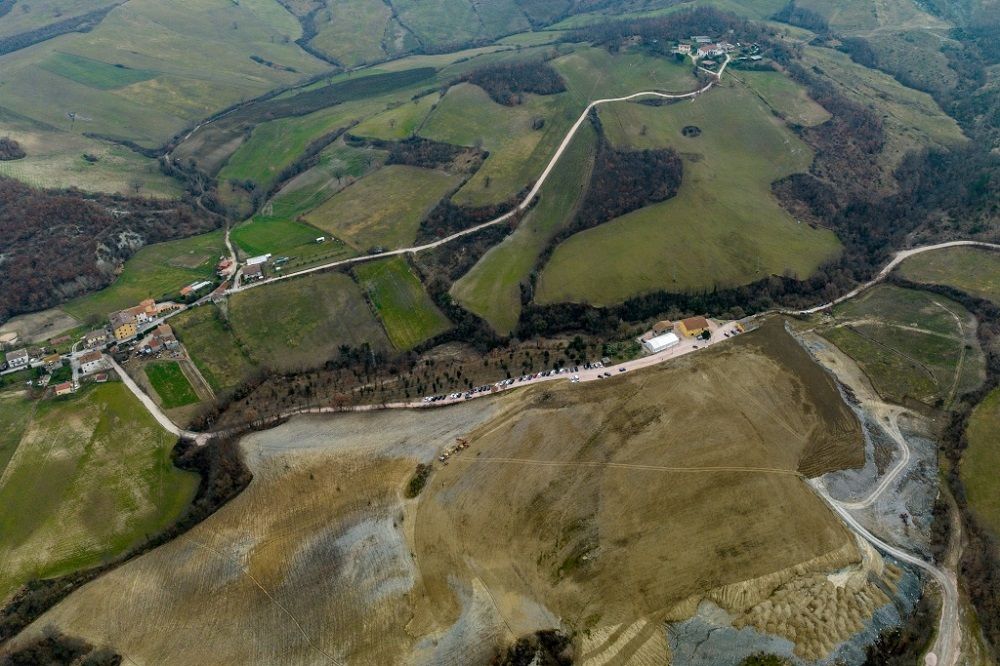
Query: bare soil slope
x=605 y=507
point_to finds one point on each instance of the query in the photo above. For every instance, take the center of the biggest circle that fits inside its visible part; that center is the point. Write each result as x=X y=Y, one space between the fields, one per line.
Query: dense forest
x=60 y=244
x=802 y=17
x=10 y=149
x=505 y=82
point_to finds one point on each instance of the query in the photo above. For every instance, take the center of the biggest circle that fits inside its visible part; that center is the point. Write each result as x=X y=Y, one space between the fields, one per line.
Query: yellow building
x=693 y=326
x=123 y=325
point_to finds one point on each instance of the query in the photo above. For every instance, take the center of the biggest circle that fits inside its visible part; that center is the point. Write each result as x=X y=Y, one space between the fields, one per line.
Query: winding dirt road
x=897 y=259
x=520 y=208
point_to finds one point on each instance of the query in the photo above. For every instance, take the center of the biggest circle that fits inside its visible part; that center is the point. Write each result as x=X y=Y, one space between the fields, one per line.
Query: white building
x=91 y=362
x=661 y=342
x=18 y=359
x=253 y=261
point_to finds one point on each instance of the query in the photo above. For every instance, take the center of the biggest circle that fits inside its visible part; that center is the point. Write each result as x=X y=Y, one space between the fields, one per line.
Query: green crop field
x=911 y=344
x=170 y=384
x=90 y=478
x=94 y=73
x=975 y=271
x=400 y=122
x=384 y=208
x=15 y=414
x=156 y=271
x=593 y=72
x=492 y=288
x=723 y=228
x=212 y=346
x=981 y=460
x=303 y=321
x=784 y=96
x=407 y=312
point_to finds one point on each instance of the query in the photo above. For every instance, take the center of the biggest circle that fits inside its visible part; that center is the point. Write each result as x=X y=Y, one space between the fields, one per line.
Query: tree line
x=505 y=83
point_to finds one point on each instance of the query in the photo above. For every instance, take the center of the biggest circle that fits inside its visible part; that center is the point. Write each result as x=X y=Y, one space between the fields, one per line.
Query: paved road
x=898 y=258
x=520 y=208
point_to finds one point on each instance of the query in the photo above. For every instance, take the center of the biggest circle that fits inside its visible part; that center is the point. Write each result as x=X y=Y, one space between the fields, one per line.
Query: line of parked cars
x=503 y=383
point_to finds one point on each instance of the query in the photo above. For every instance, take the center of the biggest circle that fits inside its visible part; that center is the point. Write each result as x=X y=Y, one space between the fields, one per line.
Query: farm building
x=661 y=342
x=664 y=326
x=253 y=261
x=693 y=326
x=253 y=272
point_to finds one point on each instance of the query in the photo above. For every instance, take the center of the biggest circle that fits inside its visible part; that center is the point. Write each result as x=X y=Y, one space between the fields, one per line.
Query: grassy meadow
x=491 y=289
x=156 y=271
x=912 y=344
x=406 y=310
x=91 y=477
x=981 y=459
x=383 y=209
x=784 y=96
x=400 y=122
x=170 y=384
x=723 y=228
x=302 y=322
x=213 y=348
x=975 y=271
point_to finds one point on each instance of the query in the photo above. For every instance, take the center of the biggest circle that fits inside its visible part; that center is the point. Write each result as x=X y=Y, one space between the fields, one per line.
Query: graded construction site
x=605 y=509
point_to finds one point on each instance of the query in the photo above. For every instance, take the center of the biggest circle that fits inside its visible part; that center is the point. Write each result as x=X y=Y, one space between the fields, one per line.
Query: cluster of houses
x=162 y=338
x=703 y=47
x=125 y=324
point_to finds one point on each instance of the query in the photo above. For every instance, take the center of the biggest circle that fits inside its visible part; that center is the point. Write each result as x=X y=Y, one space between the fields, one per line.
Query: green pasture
x=169 y=382
x=383 y=209
x=784 y=96
x=400 y=122
x=91 y=477
x=491 y=289
x=210 y=342
x=911 y=344
x=302 y=322
x=975 y=271
x=156 y=271
x=723 y=228
x=980 y=461
x=406 y=310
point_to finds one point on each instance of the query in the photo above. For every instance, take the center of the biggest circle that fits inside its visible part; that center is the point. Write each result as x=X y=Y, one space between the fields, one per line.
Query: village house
x=693 y=326
x=124 y=325
x=90 y=362
x=94 y=339
x=710 y=51
x=683 y=49
x=162 y=338
x=253 y=272
x=64 y=389
x=18 y=359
